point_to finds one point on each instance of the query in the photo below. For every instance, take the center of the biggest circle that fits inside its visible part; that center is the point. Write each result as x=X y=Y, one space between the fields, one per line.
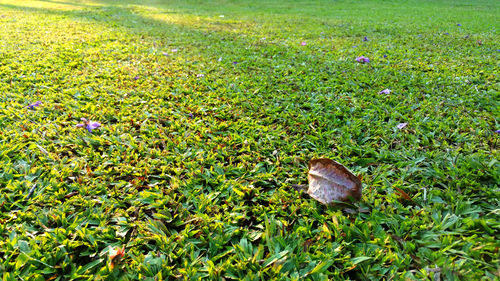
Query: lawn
x=209 y=112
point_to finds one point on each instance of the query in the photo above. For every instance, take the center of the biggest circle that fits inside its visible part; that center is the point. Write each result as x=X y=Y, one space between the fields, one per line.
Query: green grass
x=192 y=174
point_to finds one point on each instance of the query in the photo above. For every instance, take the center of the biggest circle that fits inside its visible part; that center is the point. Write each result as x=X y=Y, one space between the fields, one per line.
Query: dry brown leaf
x=69 y=195
x=307 y=244
x=402 y=194
x=329 y=181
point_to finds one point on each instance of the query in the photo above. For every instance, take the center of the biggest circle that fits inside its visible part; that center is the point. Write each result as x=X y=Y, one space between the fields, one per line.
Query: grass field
x=209 y=112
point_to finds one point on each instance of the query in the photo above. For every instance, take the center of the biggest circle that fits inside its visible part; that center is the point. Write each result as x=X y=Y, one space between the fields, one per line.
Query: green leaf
x=84 y=269
x=321 y=267
x=357 y=260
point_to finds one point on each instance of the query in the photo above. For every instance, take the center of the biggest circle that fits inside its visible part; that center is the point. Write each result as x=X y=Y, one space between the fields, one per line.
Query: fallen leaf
x=115 y=256
x=401 y=125
x=329 y=182
x=69 y=195
x=402 y=194
x=89 y=171
x=307 y=244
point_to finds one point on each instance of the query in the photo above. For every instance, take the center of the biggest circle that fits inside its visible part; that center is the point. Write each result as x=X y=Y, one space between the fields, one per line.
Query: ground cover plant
x=200 y=116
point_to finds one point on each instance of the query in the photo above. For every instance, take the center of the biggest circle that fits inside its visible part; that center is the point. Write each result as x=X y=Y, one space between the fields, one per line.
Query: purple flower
x=459 y=24
x=386 y=92
x=136 y=78
x=191 y=115
x=200 y=75
x=89 y=125
x=385 y=55
x=165 y=53
x=174 y=50
x=235 y=62
x=447 y=33
x=35 y=104
x=365 y=39
x=362 y=59
x=401 y=125
x=497 y=131
x=303 y=43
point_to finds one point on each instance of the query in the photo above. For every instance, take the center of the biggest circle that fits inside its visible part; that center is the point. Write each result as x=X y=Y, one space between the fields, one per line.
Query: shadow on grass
x=66 y=3
x=114 y=16
x=219 y=40
x=263 y=88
